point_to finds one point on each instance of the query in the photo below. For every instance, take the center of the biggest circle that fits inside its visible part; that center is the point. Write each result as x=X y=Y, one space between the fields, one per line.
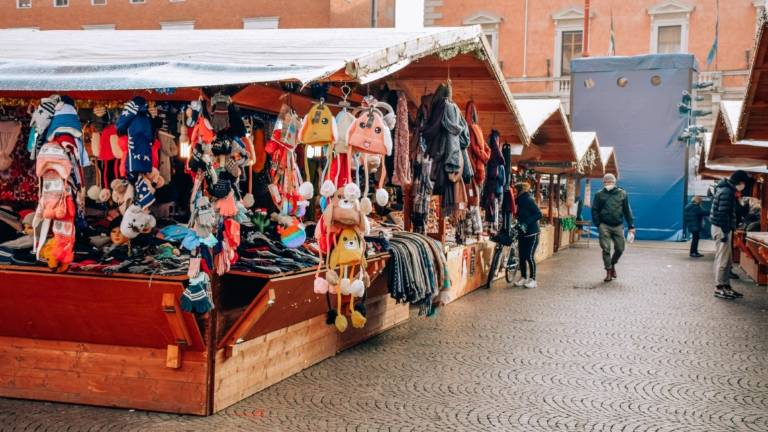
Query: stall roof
x=610 y=164
x=723 y=147
x=753 y=124
x=588 y=154
x=552 y=149
x=149 y=59
x=34 y=62
x=711 y=170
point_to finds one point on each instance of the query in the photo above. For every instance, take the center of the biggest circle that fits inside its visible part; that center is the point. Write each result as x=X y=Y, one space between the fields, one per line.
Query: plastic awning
x=68 y=60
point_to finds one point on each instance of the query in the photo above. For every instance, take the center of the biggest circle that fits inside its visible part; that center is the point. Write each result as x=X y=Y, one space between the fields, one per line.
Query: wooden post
x=764 y=205
x=551 y=196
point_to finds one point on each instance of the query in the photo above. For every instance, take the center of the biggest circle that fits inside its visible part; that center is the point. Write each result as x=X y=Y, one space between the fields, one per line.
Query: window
x=569 y=38
x=668 y=39
x=669 y=26
x=23 y=4
x=60 y=3
x=571 y=46
x=489 y=23
x=177 y=25
x=98 y=27
x=98 y=2
x=261 y=23
x=137 y=1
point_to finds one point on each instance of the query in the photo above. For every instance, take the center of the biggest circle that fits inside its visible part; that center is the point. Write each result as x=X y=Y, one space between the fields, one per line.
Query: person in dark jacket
x=694 y=219
x=610 y=209
x=723 y=218
x=528 y=215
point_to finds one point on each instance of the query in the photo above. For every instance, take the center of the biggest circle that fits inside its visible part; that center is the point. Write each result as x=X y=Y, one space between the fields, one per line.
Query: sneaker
x=530 y=284
x=735 y=294
x=723 y=293
x=521 y=282
x=696 y=255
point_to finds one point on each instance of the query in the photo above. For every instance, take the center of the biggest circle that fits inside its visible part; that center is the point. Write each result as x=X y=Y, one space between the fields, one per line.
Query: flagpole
x=585 y=41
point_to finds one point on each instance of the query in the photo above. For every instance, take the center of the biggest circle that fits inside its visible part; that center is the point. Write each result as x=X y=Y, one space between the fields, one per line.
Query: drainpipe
x=585 y=51
x=374 y=17
x=525 y=41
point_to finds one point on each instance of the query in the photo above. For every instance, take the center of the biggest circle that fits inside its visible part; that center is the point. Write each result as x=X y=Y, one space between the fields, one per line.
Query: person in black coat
x=723 y=218
x=694 y=220
x=528 y=216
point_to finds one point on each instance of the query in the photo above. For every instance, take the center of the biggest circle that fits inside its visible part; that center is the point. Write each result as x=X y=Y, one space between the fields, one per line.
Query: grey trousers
x=723 y=252
x=611 y=235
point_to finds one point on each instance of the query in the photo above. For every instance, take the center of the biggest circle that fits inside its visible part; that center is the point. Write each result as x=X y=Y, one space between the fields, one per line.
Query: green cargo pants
x=608 y=235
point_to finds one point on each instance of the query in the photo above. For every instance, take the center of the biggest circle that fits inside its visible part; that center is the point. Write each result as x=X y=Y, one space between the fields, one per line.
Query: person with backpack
x=610 y=209
x=528 y=216
x=723 y=218
x=694 y=219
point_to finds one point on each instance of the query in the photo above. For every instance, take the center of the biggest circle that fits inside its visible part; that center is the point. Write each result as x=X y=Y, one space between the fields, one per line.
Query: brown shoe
x=608 y=275
x=613 y=273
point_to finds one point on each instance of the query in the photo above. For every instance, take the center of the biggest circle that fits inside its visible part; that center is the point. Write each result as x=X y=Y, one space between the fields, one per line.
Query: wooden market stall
x=589 y=166
x=552 y=153
x=122 y=340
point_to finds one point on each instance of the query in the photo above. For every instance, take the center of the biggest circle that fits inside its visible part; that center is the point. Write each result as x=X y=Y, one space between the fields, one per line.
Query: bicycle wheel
x=495 y=260
x=513 y=265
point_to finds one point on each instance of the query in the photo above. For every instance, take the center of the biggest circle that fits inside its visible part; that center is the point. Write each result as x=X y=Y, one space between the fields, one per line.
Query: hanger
x=345 y=92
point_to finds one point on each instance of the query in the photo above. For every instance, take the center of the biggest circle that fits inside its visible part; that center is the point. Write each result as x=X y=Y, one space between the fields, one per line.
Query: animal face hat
x=318 y=126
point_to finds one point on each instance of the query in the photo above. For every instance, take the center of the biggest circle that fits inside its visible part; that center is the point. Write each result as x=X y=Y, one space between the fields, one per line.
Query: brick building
x=536 y=39
x=193 y=14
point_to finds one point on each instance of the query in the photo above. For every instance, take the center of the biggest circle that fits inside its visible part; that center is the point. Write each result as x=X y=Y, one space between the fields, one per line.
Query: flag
x=713 y=51
x=612 y=43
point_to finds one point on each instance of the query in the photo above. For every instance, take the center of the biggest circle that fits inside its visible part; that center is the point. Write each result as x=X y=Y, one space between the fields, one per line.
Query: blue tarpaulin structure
x=632 y=104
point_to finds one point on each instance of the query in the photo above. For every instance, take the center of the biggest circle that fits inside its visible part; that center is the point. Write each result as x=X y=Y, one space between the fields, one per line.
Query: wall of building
x=632 y=27
x=206 y=14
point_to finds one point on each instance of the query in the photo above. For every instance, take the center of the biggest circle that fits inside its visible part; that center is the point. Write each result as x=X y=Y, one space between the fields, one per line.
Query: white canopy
x=154 y=59
x=582 y=141
x=534 y=112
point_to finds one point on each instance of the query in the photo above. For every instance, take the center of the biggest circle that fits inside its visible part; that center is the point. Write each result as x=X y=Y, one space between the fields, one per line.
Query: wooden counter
x=123 y=341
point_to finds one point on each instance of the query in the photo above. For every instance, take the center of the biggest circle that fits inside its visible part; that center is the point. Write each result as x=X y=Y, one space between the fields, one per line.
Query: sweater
x=135 y=122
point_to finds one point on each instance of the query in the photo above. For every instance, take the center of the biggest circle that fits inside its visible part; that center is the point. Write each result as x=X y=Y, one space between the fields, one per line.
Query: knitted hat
x=53 y=157
x=739 y=176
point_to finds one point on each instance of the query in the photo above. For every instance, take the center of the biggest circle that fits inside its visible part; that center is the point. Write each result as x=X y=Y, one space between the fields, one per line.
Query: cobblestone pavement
x=651 y=351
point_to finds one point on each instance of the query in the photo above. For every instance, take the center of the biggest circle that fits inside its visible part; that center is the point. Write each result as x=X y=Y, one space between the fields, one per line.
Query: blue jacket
x=694 y=217
x=528 y=214
x=137 y=123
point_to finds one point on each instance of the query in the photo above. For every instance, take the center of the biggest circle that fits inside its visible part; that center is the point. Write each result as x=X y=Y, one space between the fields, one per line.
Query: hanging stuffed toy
x=319 y=126
x=289 y=192
x=347 y=263
x=370 y=136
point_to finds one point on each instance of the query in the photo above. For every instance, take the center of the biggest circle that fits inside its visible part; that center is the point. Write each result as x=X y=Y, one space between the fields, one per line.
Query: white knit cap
x=609 y=178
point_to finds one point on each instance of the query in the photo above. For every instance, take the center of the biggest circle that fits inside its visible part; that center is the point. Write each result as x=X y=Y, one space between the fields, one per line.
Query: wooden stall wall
x=266 y=359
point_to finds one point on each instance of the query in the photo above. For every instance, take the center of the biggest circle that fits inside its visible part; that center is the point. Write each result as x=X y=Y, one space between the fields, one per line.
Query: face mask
x=610 y=187
x=740 y=187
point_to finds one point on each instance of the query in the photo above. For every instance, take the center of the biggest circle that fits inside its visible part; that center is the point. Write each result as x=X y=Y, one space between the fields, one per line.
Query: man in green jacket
x=610 y=209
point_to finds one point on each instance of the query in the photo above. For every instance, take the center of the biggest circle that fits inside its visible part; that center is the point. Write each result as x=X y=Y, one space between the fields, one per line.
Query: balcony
x=561 y=86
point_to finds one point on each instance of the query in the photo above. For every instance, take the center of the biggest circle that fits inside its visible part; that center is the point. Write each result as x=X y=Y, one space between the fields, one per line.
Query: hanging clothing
x=402 y=169
x=494 y=181
x=136 y=122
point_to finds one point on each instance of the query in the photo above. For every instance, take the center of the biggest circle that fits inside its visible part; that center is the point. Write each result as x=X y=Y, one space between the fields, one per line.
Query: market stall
x=551 y=157
x=221 y=298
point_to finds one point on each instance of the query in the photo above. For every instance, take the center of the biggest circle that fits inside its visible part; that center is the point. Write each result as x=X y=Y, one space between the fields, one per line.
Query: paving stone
x=651 y=351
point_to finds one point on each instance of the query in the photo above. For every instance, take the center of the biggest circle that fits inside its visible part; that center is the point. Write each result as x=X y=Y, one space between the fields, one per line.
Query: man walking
x=694 y=218
x=610 y=209
x=723 y=219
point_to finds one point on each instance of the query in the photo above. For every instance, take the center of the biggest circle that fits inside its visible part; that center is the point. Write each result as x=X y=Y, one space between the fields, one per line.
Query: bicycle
x=504 y=252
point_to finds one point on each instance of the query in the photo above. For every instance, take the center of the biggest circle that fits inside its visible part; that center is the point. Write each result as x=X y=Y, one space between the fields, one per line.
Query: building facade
x=535 y=39
x=193 y=14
